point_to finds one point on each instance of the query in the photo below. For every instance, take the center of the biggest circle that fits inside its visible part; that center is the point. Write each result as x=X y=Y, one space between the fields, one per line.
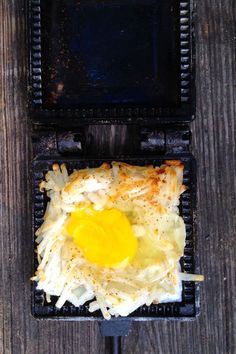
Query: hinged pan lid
x=111 y=61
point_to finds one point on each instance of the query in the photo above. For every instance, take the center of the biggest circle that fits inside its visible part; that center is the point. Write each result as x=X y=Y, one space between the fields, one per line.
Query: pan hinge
x=48 y=142
x=165 y=140
x=105 y=141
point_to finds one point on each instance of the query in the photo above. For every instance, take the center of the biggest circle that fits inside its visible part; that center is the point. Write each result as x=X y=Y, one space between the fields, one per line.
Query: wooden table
x=214 y=147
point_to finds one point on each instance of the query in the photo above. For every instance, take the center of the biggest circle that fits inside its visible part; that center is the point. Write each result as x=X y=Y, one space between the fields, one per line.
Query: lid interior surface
x=112 y=54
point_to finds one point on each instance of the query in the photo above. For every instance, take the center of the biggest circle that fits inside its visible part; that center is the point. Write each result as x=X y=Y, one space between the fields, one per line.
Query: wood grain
x=214 y=147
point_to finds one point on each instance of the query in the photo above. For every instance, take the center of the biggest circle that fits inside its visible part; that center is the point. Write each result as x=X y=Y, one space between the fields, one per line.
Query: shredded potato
x=149 y=196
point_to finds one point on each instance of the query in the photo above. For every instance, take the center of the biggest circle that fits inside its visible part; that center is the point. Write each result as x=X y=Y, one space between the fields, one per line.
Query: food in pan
x=112 y=235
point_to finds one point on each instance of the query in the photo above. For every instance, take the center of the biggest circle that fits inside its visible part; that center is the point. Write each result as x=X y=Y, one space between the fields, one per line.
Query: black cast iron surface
x=111 y=61
x=188 y=307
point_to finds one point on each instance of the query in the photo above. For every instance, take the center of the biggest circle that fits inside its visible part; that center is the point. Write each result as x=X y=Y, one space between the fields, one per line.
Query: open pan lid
x=111 y=61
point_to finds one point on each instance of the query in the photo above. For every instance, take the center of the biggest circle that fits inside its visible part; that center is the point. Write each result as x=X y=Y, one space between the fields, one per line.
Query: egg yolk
x=105 y=237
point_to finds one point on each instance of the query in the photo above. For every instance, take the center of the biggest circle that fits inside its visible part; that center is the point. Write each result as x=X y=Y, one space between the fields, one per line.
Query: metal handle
x=116 y=345
x=115 y=328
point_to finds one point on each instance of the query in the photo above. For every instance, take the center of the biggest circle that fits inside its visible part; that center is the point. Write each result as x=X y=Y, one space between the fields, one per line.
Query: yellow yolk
x=105 y=237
